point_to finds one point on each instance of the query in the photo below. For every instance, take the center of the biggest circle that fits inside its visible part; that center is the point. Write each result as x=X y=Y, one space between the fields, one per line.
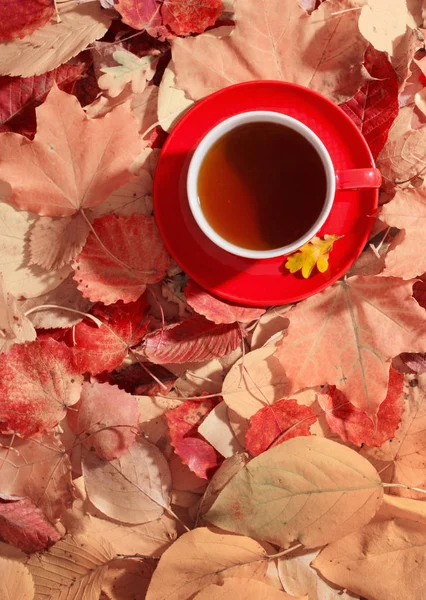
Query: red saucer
x=243 y=280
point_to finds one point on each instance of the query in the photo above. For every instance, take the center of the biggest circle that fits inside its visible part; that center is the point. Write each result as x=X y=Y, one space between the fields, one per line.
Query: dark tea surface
x=262 y=186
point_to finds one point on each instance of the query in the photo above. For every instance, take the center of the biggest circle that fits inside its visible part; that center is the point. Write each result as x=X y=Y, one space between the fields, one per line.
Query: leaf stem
x=284 y=552
x=97 y=321
x=403 y=486
x=135 y=356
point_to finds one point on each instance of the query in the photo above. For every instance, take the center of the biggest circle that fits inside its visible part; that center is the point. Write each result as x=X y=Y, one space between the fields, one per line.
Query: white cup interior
x=213 y=136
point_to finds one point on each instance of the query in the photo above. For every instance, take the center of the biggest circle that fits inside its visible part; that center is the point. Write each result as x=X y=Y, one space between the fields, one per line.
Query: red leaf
x=193 y=340
x=354 y=425
x=39 y=380
x=284 y=419
x=190 y=16
x=24 y=525
x=142 y=15
x=96 y=349
x=192 y=449
x=374 y=108
x=130 y=255
x=21 y=17
x=110 y=412
x=136 y=380
x=217 y=310
x=419 y=292
x=414 y=361
x=19 y=96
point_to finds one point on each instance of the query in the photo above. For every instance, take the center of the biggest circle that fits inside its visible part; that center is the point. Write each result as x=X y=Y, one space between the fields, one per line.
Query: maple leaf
x=218 y=311
x=275 y=423
x=346 y=336
x=55 y=43
x=19 y=96
x=407 y=211
x=38 y=469
x=126 y=254
x=142 y=15
x=66 y=170
x=375 y=106
x=189 y=445
x=106 y=419
x=15 y=327
x=39 y=381
x=172 y=102
x=23 y=18
x=190 y=16
x=24 y=525
x=315 y=252
x=195 y=339
x=355 y=426
x=262 y=47
x=96 y=349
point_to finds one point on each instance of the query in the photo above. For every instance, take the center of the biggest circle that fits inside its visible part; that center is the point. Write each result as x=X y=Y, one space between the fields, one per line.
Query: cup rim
x=228 y=125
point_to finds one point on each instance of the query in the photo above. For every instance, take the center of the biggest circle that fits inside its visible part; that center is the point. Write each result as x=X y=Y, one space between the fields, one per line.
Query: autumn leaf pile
x=157 y=442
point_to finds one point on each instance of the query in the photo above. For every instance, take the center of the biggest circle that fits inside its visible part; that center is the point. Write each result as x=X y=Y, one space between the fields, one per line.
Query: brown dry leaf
x=12 y=553
x=16 y=581
x=201 y=557
x=55 y=242
x=127 y=579
x=254 y=381
x=271 y=327
x=55 y=43
x=236 y=588
x=73 y=569
x=300 y=579
x=384 y=561
x=134 y=488
x=230 y=467
x=38 y=469
x=216 y=429
x=15 y=327
x=402 y=459
x=21 y=279
x=67 y=295
x=172 y=102
x=382 y=22
x=403 y=158
x=276 y=40
x=307 y=489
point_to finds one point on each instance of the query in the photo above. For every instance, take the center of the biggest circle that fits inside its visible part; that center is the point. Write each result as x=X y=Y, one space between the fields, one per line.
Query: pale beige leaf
x=55 y=242
x=134 y=198
x=73 y=569
x=300 y=579
x=128 y=69
x=402 y=459
x=270 y=327
x=127 y=579
x=144 y=108
x=172 y=102
x=255 y=381
x=66 y=294
x=12 y=553
x=277 y=40
x=394 y=507
x=218 y=432
x=202 y=557
x=134 y=488
x=382 y=561
x=195 y=378
x=38 y=469
x=15 y=582
x=236 y=588
x=183 y=478
x=55 y=43
x=230 y=467
x=22 y=279
x=15 y=327
x=307 y=489
x=382 y=22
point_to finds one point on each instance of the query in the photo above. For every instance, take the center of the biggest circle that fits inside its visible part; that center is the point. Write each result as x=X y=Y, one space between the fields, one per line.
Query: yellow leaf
x=315 y=252
x=308 y=489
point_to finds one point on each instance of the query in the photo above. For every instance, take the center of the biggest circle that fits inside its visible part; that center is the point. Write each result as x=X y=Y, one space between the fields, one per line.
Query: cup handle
x=358 y=179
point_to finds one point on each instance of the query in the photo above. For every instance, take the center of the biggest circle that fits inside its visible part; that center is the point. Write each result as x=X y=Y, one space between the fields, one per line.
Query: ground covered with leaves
x=157 y=442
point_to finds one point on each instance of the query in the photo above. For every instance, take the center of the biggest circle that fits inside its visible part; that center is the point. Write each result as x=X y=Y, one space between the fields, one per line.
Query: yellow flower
x=315 y=252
